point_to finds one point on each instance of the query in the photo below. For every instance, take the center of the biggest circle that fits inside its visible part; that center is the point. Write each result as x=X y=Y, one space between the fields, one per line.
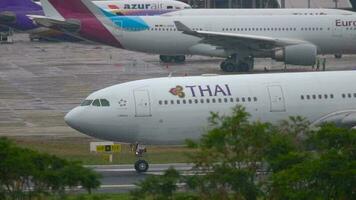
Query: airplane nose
x=68 y=118
x=72 y=118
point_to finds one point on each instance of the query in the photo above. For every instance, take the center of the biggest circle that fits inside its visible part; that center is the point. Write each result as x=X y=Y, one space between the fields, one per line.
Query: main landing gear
x=172 y=59
x=338 y=56
x=236 y=64
x=140 y=165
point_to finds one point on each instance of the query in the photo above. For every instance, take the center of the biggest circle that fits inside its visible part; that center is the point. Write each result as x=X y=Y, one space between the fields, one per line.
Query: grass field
x=77 y=148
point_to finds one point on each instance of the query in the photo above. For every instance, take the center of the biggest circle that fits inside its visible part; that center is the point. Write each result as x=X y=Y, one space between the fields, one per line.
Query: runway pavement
x=122 y=178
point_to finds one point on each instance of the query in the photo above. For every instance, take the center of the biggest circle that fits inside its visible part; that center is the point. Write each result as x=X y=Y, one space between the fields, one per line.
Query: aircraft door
x=277 y=103
x=142 y=103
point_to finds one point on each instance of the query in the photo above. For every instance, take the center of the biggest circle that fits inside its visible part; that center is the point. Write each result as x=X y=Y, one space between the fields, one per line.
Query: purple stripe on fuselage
x=91 y=27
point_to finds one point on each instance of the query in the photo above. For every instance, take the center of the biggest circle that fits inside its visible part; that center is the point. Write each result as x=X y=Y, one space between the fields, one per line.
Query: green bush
x=27 y=173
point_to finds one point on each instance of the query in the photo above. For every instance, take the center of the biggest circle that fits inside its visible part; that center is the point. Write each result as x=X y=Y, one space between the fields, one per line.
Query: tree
x=158 y=187
x=327 y=171
x=239 y=159
x=24 y=172
x=230 y=155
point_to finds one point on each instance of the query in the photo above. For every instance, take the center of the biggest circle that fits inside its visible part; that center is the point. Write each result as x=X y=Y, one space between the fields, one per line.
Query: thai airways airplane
x=13 y=13
x=293 y=39
x=169 y=110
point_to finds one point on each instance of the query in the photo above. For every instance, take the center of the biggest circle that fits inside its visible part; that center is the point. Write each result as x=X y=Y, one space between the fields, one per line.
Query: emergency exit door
x=142 y=103
x=277 y=103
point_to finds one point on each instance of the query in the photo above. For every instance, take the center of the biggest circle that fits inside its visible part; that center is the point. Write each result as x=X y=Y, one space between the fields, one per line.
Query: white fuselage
x=258 y=11
x=170 y=110
x=330 y=33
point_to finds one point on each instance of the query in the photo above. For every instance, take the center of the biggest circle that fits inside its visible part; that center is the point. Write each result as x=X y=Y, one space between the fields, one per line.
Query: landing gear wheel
x=233 y=64
x=141 y=166
x=243 y=67
x=228 y=66
x=179 y=59
x=338 y=55
x=166 y=59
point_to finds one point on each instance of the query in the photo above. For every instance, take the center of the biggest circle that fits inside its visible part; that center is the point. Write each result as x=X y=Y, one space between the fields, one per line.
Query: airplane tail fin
x=92 y=24
x=20 y=3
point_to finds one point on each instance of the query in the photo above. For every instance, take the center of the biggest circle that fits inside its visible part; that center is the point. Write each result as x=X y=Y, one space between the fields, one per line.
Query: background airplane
x=239 y=39
x=169 y=110
x=14 y=14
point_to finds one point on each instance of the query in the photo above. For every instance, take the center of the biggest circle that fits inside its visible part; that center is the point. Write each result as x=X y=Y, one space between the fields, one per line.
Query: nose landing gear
x=140 y=165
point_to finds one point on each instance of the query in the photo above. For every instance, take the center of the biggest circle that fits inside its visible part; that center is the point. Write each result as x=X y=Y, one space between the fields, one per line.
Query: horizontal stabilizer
x=7 y=17
x=70 y=26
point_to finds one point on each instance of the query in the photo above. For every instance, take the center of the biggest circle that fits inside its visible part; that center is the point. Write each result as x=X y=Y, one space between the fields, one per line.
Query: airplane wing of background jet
x=67 y=26
x=246 y=42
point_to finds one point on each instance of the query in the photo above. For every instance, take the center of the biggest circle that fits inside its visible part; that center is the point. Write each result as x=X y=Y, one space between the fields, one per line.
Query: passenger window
x=196 y=101
x=96 y=102
x=325 y=96
x=213 y=100
x=172 y=101
x=231 y=100
x=86 y=102
x=314 y=96
x=237 y=99
x=165 y=102
x=331 y=96
x=320 y=96
x=219 y=100
x=190 y=101
x=178 y=101
x=343 y=95
x=184 y=101
x=349 y=95
x=104 y=102
x=201 y=100
x=249 y=99
x=308 y=97
x=254 y=98
x=160 y=102
x=207 y=100
x=243 y=99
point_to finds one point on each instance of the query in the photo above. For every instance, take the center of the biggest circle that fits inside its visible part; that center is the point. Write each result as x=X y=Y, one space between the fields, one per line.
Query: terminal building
x=269 y=3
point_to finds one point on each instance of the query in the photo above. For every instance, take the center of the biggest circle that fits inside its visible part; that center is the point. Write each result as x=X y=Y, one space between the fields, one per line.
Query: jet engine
x=299 y=54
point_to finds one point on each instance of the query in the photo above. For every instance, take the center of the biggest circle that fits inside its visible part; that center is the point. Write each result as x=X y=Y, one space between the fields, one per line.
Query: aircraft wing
x=235 y=41
x=7 y=17
x=67 y=26
x=346 y=118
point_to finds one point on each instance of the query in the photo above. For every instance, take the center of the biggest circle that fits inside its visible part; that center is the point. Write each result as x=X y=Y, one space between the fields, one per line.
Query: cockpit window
x=96 y=102
x=86 y=102
x=169 y=7
x=187 y=7
x=104 y=102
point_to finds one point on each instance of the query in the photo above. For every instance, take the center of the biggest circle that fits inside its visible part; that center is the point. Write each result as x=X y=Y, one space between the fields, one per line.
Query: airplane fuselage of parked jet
x=293 y=39
x=170 y=110
x=159 y=35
